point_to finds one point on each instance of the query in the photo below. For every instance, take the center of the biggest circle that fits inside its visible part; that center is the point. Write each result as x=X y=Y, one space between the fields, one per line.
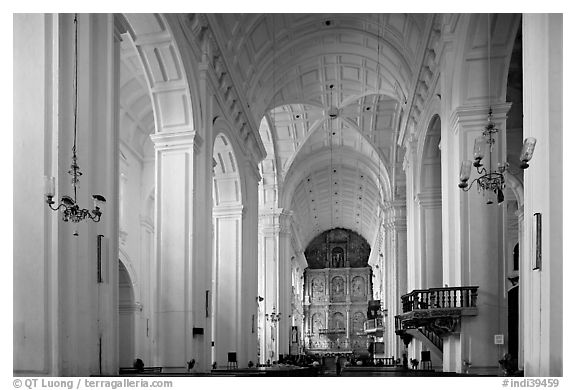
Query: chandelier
x=491 y=181
x=71 y=211
x=273 y=317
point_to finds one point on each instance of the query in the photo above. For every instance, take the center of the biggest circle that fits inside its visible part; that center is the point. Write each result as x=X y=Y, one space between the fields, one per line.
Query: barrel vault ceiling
x=296 y=69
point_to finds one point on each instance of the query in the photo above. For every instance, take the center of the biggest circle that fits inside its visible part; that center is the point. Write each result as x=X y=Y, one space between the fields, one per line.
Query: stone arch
x=470 y=85
x=127 y=316
x=170 y=79
x=297 y=173
x=227 y=189
x=131 y=272
x=229 y=159
x=234 y=263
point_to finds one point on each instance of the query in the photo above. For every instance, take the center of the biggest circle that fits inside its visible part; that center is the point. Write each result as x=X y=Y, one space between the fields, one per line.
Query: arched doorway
x=126 y=317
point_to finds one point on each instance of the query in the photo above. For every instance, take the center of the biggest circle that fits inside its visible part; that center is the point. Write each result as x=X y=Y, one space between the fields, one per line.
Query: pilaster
x=395 y=268
x=275 y=281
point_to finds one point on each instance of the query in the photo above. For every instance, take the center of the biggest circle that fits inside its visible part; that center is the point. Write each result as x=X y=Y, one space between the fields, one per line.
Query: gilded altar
x=337 y=288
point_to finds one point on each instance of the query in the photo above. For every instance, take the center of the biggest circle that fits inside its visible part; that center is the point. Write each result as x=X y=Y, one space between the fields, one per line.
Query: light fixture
x=273 y=317
x=71 y=211
x=333 y=110
x=491 y=181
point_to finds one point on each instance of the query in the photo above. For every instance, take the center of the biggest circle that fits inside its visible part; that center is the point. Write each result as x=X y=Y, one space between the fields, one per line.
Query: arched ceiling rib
x=336 y=194
x=307 y=52
x=136 y=114
x=293 y=69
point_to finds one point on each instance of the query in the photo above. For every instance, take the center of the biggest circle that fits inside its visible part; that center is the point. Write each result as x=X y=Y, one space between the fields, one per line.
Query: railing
x=374 y=324
x=440 y=298
x=433 y=337
x=332 y=331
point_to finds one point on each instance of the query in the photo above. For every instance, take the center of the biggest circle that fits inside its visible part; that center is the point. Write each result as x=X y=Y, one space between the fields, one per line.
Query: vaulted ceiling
x=296 y=69
x=136 y=113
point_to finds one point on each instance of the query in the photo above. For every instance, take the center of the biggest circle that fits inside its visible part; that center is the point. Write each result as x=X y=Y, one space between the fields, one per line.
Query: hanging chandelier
x=71 y=211
x=491 y=181
x=273 y=317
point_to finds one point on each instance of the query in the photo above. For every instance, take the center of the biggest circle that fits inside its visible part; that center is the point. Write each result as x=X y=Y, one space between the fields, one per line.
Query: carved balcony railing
x=435 y=312
x=440 y=298
x=374 y=325
x=332 y=331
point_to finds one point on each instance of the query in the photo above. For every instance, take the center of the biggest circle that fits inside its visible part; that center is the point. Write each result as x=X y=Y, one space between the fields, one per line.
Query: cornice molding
x=176 y=140
x=231 y=211
x=426 y=77
x=430 y=198
x=465 y=117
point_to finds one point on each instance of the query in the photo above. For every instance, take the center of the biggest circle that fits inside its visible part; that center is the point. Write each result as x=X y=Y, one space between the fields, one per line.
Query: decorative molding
x=217 y=71
x=121 y=26
x=426 y=77
x=395 y=215
x=129 y=307
x=164 y=141
x=465 y=117
x=224 y=211
x=430 y=198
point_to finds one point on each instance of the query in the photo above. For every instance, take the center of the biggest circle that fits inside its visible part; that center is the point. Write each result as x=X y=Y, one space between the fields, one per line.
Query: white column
x=144 y=340
x=275 y=278
x=413 y=251
x=249 y=269
x=36 y=121
x=71 y=327
x=479 y=257
x=174 y=261
x=520 y=215
x=396 y=266
x=227 y=316
x=542 y=103
x=429 y=205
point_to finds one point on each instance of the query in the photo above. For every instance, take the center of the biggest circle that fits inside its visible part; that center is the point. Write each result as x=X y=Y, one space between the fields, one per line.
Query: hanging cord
x=330 y=135
x=490 y=91
x=377 y=101
x=75 y=167
x=489 y=67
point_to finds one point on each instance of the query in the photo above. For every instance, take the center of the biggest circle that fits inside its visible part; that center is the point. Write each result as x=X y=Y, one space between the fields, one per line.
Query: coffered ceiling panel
x=136 y=114
x=331 y=87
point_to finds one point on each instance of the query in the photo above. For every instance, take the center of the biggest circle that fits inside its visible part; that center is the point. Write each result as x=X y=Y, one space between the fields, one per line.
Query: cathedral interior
x=381 y=193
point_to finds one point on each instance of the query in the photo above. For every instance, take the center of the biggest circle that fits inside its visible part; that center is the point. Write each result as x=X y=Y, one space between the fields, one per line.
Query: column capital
x=177 y=140
x=277 y=220
x=228 y=211
x=475 y=117
x=395 y=215
x=430 y=198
